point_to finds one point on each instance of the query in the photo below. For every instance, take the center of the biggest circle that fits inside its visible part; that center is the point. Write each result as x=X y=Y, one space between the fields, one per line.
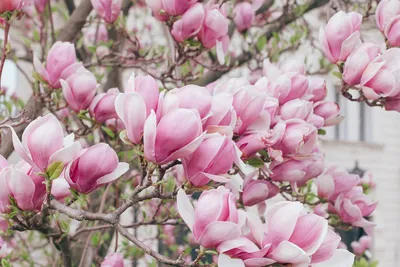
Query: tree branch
x=277 y=26
x=33 y=107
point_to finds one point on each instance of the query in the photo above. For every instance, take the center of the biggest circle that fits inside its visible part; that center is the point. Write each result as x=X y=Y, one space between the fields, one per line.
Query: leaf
x=337 y=74
x=5 y=263
x=321 y=132
x=262 y=41
x=255 y=162
x=54 y=170
x=108 y=131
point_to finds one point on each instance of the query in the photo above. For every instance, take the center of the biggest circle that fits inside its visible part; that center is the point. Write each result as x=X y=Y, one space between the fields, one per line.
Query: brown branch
x=159 y=257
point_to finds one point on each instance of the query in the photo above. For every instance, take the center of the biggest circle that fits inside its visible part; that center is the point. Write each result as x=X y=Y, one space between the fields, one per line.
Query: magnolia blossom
x=190 y=24
x=360 y=246
x=170 y=139
x=215 y=218
x=358 y=61
x=11 y=5
x=213 y=158
x=107 y=9
x=79 y=89
x=188 y=97
x=43 y=143
x=289 y=236
x=256 y=191
x=95 y=167
x=385 y=12
x=40 y=5
x=113 y=260
x=380 y=78
x=102 y=107
x=162 y=9
x=353 y=206
x=60 y=56
x=340 y=35
x=28 y=192
x=244 y=16
x=135 y=105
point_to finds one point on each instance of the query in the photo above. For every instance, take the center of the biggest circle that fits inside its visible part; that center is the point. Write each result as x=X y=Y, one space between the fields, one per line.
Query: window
x=357 y=123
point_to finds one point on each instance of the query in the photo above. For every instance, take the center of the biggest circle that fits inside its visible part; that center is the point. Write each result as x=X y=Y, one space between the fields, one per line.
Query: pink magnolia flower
x=248 y=103
x=259 y=139
x=96 y=166
x=293 y=234
x=385 y=12
x=40 y=5
x=213 y=158
x=247 y=250
x=214 y=32
x=28 y=192
x=135 y=105
x=358 y=61
x=215 y=26
x=289 y=236
x=298 y=171
x=393 y=103
x=340 y=35
x=329 y=111
x=288 y=87
x=360 y=246
x=11 y=5
x=392 y=31
x=297 y=108
x=256 y=191
x=79 y=89
x=334 y=182
x=222 y=115
x=107 y=9
x=113 y=260
x=353 y=206
x=214 y=219
x=60 y=56
x=316 y=89
x=188 y=97
x=102 y=107
x=380 y=78
x=190 y=24
x=162 y=9
x=147 y=87
x=299 y=138
x=170 y=139
x=43 y=143
x=244 y=16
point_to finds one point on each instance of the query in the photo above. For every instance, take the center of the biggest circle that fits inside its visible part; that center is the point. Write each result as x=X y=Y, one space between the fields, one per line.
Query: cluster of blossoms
x=274 y=120
x=365 y=66
x=248 y=141
x=289 y=235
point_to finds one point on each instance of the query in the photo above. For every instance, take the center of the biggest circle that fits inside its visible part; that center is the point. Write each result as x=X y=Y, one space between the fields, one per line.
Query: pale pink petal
x=226 y=261
x=67 y=154
x=342 y=258
x=149 y=137
x=287 y=252
x=122 y=168
x=218 y=232
x=185 y=209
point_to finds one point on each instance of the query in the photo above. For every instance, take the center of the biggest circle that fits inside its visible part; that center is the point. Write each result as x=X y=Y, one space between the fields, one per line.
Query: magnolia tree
x=179 y=149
